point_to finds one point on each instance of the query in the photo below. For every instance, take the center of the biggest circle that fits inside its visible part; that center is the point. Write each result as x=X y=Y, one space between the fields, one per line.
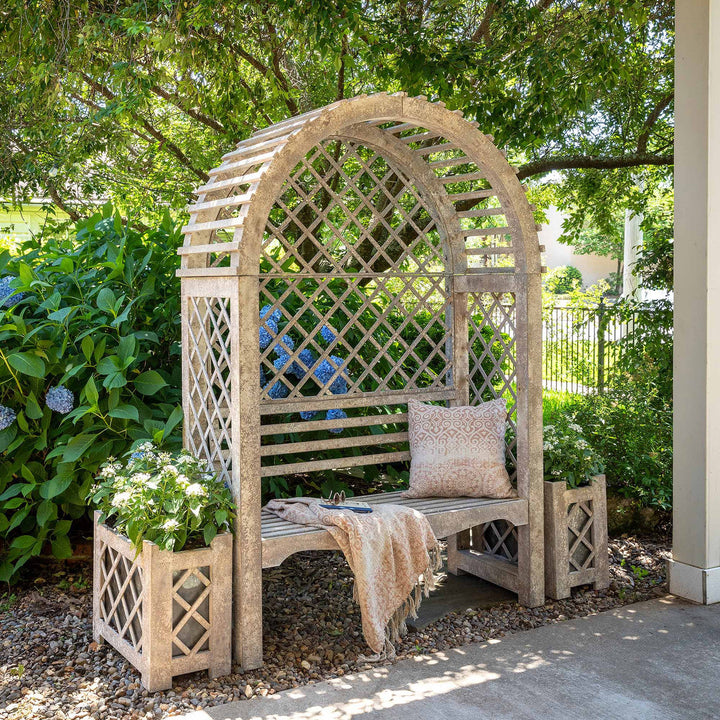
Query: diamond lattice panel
x=580 y=548
x=492 y=355
x=208 y=430
x=121 y=595
x=347 y=209
x=191 y=611
x=500 y=538
x=349 y=335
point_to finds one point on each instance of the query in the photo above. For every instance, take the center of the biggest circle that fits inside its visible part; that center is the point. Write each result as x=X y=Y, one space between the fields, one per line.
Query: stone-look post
x=576 y=551
x=694 y=571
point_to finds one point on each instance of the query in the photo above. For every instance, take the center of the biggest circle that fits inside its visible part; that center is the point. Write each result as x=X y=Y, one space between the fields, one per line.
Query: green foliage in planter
x=171 y=499
x=568 y=455
x=96 y=316
x=562 y=280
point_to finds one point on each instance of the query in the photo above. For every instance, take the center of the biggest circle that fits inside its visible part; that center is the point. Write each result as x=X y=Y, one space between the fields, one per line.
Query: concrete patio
x=656 y=659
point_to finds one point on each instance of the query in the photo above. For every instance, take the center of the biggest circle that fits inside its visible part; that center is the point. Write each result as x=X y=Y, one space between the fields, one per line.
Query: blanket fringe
x=397 y=625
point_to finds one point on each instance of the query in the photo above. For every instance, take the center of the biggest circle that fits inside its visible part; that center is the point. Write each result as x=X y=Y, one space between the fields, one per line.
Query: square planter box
x=576 y=540
x=167 y=613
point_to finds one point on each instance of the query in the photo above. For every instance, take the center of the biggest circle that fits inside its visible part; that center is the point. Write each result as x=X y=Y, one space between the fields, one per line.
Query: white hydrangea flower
x=171 y=470
x=183 y=481
x=140 y=478
x=171 y=525
x=122 y=498
x=195 y=490
x=108 y=472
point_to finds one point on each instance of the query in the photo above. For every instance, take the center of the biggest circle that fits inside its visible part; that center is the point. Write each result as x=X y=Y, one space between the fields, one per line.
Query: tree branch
x=165 y=143
x=585 y=162
x=483 y=29
x=198 y=115
x=652 y=118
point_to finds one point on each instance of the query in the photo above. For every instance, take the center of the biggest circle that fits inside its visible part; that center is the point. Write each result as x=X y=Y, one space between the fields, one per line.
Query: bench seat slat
x=281 y=538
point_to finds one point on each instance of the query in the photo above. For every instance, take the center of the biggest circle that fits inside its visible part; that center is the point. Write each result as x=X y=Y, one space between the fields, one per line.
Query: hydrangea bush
x=568 y=455
x=89 y=366
x=171 y=499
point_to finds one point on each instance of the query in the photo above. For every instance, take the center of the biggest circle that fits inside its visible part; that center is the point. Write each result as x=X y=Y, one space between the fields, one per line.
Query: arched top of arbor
x=364 y=171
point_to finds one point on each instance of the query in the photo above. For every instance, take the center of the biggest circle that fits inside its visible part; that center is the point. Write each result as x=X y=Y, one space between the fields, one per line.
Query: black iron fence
x=581 y=347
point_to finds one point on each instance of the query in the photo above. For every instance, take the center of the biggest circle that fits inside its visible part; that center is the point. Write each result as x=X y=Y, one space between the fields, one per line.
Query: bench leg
x=531 y=564
x=456 y=542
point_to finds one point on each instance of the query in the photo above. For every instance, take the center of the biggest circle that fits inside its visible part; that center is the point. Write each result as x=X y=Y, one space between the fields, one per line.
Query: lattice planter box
x=168 y=613
x=576 y=541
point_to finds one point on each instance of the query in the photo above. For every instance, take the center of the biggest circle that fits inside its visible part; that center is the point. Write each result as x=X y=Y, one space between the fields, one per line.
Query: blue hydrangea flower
x=295 y=368
x=60 y=399
x=284 y=345
x=7 y=417
x=9 y=296
x=335 y=415
x=275 y=315
x=278 y=391
x=137 y=455
x=307 y=358
x=329 y=370
x=268 y=330
x=308 y=414
x=327 y=334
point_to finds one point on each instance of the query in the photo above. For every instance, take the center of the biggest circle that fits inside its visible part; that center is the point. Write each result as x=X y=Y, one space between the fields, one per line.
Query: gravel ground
x=51 y=668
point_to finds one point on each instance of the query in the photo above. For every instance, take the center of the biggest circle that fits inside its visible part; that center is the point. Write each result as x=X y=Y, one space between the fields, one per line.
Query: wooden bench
x=447 y=516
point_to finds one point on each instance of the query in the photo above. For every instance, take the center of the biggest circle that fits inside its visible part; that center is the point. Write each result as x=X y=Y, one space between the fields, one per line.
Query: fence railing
x=581 y=347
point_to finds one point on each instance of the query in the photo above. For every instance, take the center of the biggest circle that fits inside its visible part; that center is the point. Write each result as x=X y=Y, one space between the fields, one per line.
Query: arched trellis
x=397 y=226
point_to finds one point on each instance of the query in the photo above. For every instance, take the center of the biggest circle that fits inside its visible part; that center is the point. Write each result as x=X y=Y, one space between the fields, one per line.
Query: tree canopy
x=136 y=101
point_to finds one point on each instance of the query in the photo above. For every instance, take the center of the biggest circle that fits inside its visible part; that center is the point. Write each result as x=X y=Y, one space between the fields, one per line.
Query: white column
x=695 y=567
x=632 y=242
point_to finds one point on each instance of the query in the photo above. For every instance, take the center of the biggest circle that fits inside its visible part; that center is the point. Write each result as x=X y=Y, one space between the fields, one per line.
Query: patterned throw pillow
x=458 y=451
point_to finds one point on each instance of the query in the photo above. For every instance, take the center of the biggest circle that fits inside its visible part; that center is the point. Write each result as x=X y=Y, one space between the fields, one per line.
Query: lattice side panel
x=121 y=595
x=581 y=552
x=191 y=611
x=208 y=430
x=492 y=357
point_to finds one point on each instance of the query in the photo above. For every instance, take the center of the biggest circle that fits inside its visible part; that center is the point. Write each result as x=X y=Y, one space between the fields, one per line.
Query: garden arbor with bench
x=335 y=266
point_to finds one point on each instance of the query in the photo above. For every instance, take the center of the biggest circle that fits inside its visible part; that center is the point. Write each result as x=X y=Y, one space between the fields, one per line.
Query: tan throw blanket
x=393 y=554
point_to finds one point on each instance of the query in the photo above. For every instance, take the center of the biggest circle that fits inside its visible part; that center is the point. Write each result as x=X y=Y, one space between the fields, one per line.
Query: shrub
x=89 y=365
x=562 y=280
x=171 y=499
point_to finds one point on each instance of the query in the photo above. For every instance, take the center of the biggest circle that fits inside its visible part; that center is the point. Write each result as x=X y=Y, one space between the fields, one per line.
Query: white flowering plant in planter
x=171 y=499
x=568 y=456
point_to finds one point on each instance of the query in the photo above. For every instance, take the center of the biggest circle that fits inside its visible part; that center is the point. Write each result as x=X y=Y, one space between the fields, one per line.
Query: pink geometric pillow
x=458 y=451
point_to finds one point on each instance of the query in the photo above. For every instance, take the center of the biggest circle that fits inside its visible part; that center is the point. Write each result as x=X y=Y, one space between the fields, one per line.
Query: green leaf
x=77 y=446
x=220 y=517
x=106 y=301
x=55 y=486
x=125 y=412
x=87 y=345
x=148 y=383
x=32 y=407
x=91 y=391
x=61 y=314
x=209 y=532
x=47 y=510
x=23 y=542
x=175 y=417
x=61 y=547
x=27 y=363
